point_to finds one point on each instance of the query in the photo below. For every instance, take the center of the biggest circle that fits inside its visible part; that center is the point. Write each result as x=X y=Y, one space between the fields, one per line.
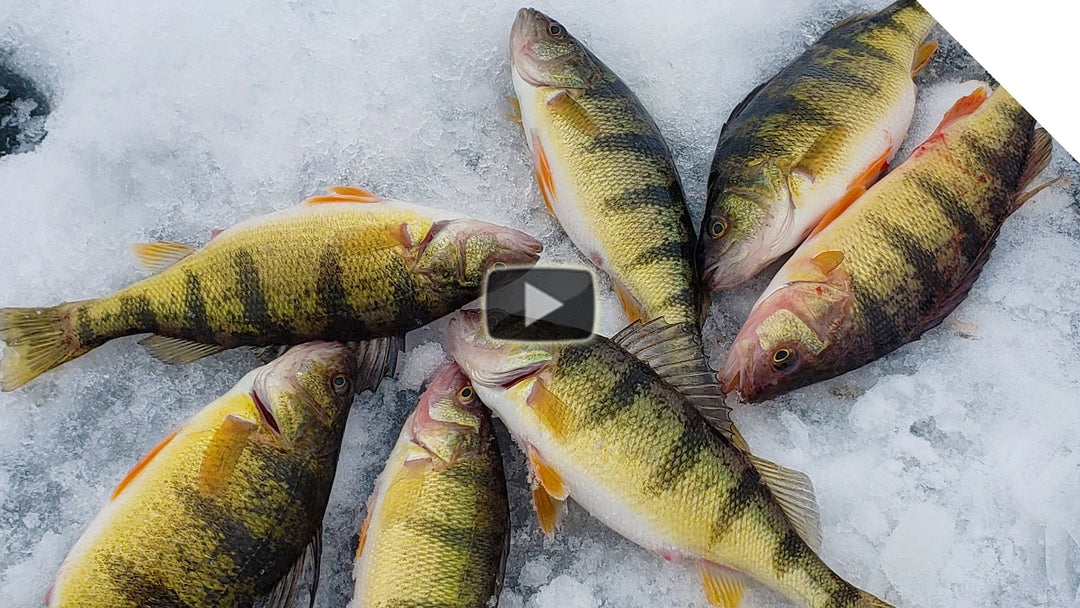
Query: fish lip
x=737 y=372
x=522 y=34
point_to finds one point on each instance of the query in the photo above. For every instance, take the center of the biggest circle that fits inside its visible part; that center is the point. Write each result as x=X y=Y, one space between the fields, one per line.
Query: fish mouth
x=529 y=26
x=736 y=375
x=720 y=276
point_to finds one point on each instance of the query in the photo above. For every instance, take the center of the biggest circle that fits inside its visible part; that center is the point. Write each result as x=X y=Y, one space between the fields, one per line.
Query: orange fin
x=922 y=57
x=224 y=452
x=827 y=261
x=543 y=174
x=345 y=194
x=158 y=256
x=139 y=466
x=549 y=493
x=634 y=310
x=215 y=232
x=964 y=106
x=723 y=587
x=400 y=234
x=515 y=110
x=549 y=408
x=858 y=188
x=364 y=530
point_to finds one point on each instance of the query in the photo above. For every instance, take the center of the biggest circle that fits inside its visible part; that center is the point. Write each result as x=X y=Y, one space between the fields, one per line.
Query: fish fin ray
x=223 y=453
x=548 y=491
x=846 y=21
x=35 y=342
x=543 y=474
x=794 y=493
x=1042 y=146
x=922 y=57
x=158 y=256
x=953 y=299
x=812 y=162
x=364 y=528
x=288 y=588
x=723 y=587
x=266 y=354
x=549 y=510
x=178 y=350
x=964 y=106
x=858 y=187
x=515 y=110
x=565 y=106
x=143 y=462
x=549 y=408
x=345 y=194
x=542 y=169
x=738 y=110
x=631 y=306
x=828 y=261
x=376 y=359
x=676 y=354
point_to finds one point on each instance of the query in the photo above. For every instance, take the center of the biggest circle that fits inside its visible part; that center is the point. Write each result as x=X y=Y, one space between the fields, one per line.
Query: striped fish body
x=605 y=171
x=224 y=508
x=436 y=532
x=897 y=261
x=811 y=140
x=332 y=268
x=663 y=478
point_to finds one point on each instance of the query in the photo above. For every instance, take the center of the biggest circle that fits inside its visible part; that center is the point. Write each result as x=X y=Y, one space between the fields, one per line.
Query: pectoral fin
x=563 y=105
x=922 y=57
x=223 y=453
x=549 y=492
x=723 y=587
x=858 y=187
x=515 y=110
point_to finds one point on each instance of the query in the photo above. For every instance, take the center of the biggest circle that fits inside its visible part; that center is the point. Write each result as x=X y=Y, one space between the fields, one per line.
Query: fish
x=346 y=266
x=438 y=520
x=811 y=140
x=900 y=259
x=616 y=424
x=605 y=171
x=228 y=508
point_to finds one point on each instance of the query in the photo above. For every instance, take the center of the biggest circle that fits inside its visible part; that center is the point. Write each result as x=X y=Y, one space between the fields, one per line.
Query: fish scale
x=347 y=266
x=600 y=424
x=810 y=139
x=606 y=173
x=900 y=258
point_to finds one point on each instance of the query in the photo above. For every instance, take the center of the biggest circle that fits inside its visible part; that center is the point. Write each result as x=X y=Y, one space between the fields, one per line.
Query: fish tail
x=865 y=600
x=37 y=339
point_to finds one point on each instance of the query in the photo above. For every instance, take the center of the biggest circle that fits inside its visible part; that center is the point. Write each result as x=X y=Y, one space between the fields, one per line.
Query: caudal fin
x=36 y=342
x=868 y=601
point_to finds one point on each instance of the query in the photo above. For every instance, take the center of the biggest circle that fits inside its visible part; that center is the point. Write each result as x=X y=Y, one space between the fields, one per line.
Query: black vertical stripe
x=682 y=456
x=141 y=588
x=791 y=553
x=342 y=320
x=253 y=299
x=198 y=324
x=138 y=313
x=736 y=501
x=967 y=225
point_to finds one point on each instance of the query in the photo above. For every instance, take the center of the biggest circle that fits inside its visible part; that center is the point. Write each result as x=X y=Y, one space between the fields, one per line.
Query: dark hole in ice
x=23 y=108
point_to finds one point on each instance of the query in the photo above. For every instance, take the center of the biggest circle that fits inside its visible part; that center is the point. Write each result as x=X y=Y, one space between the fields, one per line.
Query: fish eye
x=717 y=229
x=783 y=359
x=466 y=394
x=555 y=29
x=341 y=384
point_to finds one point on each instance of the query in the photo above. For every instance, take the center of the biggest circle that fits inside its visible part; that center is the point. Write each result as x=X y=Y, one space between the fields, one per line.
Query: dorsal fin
x=158 y=256
x=847 y=21
x=742 y=106
x=795 y=495
x=675 y=352
x=345 y=194
x=1042 y=145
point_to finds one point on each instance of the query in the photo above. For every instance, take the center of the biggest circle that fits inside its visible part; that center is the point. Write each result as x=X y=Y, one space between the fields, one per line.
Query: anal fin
x=223 y=453
x=158 y=256
x=548 y=491
x=724 y=587
x=178 y=350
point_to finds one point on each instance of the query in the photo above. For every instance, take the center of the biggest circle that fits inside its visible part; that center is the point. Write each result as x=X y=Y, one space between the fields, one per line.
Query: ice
x=947 y=473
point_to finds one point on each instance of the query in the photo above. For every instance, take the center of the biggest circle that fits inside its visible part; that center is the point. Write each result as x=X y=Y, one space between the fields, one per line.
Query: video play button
x=551 y=304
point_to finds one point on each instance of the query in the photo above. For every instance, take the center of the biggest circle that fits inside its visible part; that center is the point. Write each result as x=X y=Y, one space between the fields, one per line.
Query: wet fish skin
x=810 y=139
x=219 y=513
x=605 y=171
x=347 y=266
x=437 y=528
x=601 y=426
x=900 y=259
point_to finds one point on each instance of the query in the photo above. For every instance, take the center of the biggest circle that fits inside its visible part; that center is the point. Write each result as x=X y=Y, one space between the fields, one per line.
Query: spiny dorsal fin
x=266 y=354
x=676 y=354
x=288 y=588
x=376 y=359
x=795 y=495
x=848 y=21
x=158 y=256
x=178 y=350
x=345 y=194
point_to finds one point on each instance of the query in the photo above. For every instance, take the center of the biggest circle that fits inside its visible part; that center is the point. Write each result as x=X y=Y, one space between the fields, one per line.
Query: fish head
x=450 y=421
x=792 y=338
x=544 y=54
x=490 y=362
x=747 y=225
x=306 y=391
x=459 y=252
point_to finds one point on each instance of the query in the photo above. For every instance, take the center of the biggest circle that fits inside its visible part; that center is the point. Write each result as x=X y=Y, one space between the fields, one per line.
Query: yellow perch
x=615 y=424
x=900 y=259
x=437 y=528
x=347 y=266
x=605 y=171
x=227 y=508
x=809 y=141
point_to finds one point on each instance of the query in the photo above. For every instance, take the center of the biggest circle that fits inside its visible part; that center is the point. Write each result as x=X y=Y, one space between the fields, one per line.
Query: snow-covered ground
x=948 y=474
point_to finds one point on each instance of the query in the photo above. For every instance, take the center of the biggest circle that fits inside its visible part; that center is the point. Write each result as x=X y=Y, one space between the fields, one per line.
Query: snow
x=947 y=473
